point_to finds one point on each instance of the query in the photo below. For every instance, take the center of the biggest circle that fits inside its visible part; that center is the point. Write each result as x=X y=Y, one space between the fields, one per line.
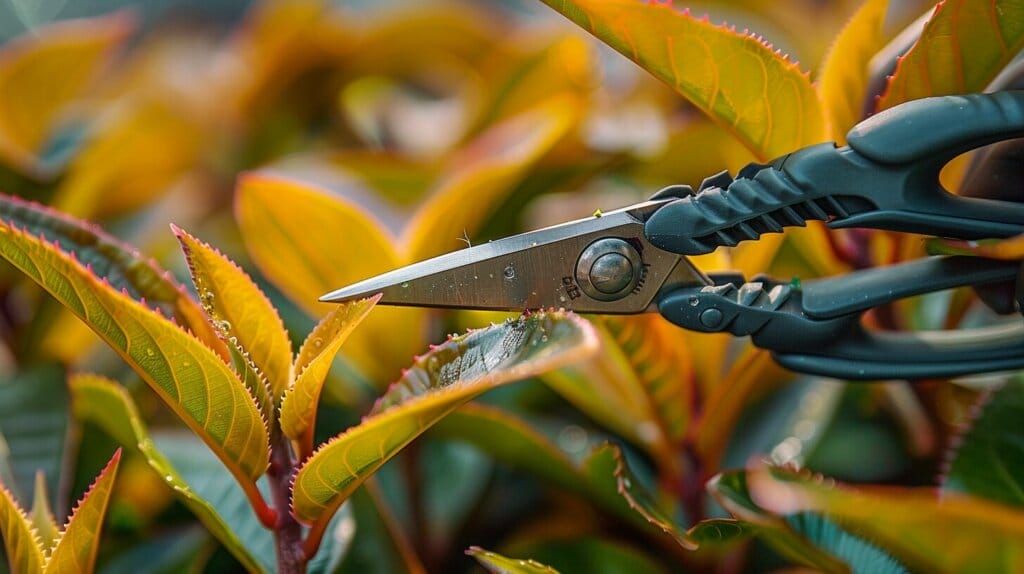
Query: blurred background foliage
x=319 y=143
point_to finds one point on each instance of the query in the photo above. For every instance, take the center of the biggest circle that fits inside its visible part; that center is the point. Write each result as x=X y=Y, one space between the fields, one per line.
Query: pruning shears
x=634 y=260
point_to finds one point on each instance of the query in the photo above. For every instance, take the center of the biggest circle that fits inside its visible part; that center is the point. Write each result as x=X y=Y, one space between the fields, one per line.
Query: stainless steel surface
x=608 y=269
x=533 y=270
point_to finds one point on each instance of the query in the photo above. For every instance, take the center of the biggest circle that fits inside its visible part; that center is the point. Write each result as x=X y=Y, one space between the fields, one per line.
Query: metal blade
x=533 y=270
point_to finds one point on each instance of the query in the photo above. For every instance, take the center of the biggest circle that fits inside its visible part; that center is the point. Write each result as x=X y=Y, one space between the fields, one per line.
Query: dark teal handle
x=817 y=329
x=887 y=177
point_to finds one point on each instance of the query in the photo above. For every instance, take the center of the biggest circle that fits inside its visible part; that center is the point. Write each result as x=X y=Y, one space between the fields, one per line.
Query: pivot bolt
x=608 y=269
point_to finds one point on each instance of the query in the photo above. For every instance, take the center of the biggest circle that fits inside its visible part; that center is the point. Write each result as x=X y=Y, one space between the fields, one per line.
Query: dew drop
x=169 y=478
x=510 y=272
x=186 y=364
x=224 y=325
x=150 y=352
x=318 y=342
x=405 y=285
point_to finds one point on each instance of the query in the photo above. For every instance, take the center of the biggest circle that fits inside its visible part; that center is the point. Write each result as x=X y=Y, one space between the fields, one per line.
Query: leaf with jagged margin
x=105 y=403
x=956 y=533
x=295 y=232
x=482 y=174
x=962 y=48
x=988 y=457
x=42 y=74
x=639 y=386
x=21 y=541
x=736 y=79
x=186 y=374
x=439 y=382
x=75 y=550
x=498 y=564
x=41 y=516
x=119 y=263
x=844 y=77
x=240 y=311
x=298 y=407
x=640 y=500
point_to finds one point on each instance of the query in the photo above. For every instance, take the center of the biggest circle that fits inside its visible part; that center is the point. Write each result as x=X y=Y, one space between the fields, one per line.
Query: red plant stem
x=266 y=515
x=291 y=557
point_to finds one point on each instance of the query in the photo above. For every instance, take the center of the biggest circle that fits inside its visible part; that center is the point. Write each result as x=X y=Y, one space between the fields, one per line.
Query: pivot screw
x=608 y=269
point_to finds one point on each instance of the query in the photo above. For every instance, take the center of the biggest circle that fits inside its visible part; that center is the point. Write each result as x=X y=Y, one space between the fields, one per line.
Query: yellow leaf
x=844 y=76
x=298 y=408
x=439 y=382
x=736 y=79
x=952 y=534
x=41 y=74
x=186 y=374
x=309 y=243
x=240 y=311
x=76 y=548
x=482 y=174
x=962 y=48
x=155 y=142
x=21 y=541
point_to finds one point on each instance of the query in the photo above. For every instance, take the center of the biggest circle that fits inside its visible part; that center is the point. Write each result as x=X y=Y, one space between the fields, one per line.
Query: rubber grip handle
x=818 y=330
x=886 y=178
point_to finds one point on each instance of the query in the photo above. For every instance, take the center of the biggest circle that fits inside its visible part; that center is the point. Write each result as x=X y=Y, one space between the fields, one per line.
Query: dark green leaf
x=34 y=424
x=859 y=554
x=990 y=459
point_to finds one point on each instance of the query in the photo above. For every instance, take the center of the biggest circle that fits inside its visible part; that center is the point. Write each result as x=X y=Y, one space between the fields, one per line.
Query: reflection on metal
x=540 y=269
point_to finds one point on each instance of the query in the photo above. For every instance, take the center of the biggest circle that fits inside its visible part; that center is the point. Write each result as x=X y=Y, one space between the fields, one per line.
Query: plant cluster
x=238 y=424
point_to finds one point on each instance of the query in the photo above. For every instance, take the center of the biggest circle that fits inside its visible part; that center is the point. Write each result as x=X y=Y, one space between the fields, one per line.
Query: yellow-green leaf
x=482 y=174
x=21 y=541
x=120 y=264
x=240 y=311
x=42 y=73
x=75 y=551
x=186 y=374
x=298 y=236
x=844 y=76
x=298 y=408
x=736 y=79
x=105 y=403
x=41 y=516
x=498 y=564
x=928 y=534
x=438 y=383
x=962 y=48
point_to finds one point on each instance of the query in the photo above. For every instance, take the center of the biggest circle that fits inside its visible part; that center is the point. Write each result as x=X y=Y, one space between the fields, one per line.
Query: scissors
x=634 y=260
